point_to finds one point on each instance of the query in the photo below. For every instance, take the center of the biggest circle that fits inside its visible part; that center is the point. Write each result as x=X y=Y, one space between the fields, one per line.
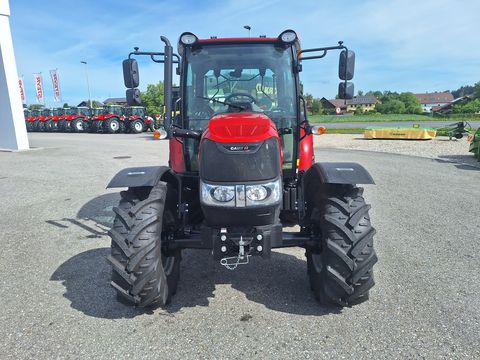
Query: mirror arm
x=324 y=51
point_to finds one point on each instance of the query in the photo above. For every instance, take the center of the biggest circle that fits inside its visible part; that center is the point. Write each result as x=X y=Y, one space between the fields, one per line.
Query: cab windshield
x=240 y=77
x=117 y=110
x=134 y=111
x=84 y=111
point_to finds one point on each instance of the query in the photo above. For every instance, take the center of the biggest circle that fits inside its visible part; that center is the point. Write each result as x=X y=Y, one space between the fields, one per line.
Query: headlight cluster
x=240 y=195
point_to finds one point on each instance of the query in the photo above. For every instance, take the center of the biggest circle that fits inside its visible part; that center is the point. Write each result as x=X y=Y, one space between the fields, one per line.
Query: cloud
x=400 y=44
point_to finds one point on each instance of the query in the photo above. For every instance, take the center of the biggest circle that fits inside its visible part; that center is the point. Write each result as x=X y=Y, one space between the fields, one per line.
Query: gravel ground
x=441 y=148
x=55 y=300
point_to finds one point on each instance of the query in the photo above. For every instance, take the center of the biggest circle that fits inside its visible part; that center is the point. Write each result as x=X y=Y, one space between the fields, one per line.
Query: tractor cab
x=96 y=112
x=241 y=169
x=83 y=110
x=113 y=110
x=134 y=111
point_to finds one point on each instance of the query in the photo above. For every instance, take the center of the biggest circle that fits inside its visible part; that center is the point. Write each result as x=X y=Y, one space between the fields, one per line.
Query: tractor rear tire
x=28 y=126
x=78 y=125
x=55 y=126
x=123 y=127
x=49 y=125
x=35 y=125
x=62 y=125
x=41 y=126
x=112 y=125
x=136 y=126
x=341 y=267
x=96 y=126
x=142 y=274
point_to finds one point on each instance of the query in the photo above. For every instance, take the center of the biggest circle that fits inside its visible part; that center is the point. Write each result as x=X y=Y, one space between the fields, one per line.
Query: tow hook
x=232 y=262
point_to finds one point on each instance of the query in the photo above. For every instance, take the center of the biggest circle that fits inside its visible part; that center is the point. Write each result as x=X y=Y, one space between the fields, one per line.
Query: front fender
x=138 y=176
x=340 y=173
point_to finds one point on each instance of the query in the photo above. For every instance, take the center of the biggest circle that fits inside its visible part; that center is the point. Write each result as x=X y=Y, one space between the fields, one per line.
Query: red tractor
x=51 y=123
x=137 y=120
x=32 y=120
x=241 y=169
x=42 y=118
x=77 y=119
x=110 y=120
x=27 y=114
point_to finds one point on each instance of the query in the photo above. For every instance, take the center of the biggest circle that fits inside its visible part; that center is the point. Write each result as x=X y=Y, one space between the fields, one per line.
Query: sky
x=400 y=45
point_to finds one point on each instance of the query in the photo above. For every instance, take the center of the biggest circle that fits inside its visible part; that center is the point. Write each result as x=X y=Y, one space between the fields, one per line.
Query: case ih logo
x=240 y=147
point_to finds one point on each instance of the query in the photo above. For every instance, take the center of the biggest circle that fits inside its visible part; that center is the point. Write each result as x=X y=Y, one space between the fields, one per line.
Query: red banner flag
x=39 y=87
x=22 y=91
x=55 y=82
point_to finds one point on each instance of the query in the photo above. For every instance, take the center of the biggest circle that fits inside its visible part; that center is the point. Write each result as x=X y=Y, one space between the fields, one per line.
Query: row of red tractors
x=108 y=119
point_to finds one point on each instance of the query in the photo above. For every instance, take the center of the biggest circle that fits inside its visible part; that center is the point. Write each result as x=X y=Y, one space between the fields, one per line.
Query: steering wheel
x=232 y=95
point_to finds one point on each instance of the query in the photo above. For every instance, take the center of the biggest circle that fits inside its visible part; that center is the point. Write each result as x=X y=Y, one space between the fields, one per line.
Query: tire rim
x=80 y=125
x=114 y=125
x=138 y=126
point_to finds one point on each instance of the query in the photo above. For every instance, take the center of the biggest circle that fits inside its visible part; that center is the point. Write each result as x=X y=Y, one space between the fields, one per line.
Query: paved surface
x=433 y=124
x=55 y=301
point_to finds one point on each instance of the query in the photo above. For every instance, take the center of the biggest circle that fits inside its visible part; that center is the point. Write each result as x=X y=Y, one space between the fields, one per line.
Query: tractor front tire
x=340 y=267
x=112 y=125
x=142 y=274
x=136 y=126
x=78 y=125
x=49 y=125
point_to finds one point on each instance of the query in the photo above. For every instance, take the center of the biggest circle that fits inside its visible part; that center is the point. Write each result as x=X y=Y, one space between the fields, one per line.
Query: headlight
x=217 y=195
x=256 y=192
x=241 y=195
x=188 y=39
x=263 y=194
x=288 y=36
x=224 y=193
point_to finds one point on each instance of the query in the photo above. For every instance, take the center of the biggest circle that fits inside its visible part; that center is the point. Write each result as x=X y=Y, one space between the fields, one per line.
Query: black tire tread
x=341 y=269
x=137 y=271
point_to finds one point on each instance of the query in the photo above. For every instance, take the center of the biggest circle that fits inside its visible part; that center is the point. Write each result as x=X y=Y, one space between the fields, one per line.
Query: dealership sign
x=22 y=90
x=39 y=87
x=56 y=86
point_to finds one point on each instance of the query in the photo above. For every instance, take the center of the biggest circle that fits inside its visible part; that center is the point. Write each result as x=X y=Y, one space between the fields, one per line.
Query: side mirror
x=130 y=73
x=345 y=91
x=133 y=97
x=346 y=65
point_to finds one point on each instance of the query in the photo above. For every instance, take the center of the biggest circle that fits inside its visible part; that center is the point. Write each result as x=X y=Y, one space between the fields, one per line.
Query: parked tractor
x=42 y=118
x=33 y=120
x=241 y=169
x=27 y=114
x=51 y=124
x=110 y=120
x=137 y=120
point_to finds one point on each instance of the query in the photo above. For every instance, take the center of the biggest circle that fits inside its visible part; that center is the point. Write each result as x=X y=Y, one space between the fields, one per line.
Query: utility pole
x=247 y=27
x=88 y=83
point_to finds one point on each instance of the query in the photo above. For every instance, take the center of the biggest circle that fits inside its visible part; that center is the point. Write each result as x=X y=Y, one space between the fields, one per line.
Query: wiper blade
x=222 y=102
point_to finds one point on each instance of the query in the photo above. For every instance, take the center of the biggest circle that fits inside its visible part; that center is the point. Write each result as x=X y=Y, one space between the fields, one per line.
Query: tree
x=470 y=107
x=360 y=93
x=35 y=106
x=152 y=98
x=65 y=105
x=392 y=106
x=317 y=107
x=477 y=90
x=412 y=105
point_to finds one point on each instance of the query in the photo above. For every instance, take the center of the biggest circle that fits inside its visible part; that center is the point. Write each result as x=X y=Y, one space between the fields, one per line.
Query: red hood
x=240 y=128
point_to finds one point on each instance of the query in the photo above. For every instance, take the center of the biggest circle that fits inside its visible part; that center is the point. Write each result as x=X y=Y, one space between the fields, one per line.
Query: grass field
x=360 y=130
x=377 y=118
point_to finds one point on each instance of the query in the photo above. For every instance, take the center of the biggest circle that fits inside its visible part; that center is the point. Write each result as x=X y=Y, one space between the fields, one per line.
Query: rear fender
x=339 y=173
x=140 y=176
